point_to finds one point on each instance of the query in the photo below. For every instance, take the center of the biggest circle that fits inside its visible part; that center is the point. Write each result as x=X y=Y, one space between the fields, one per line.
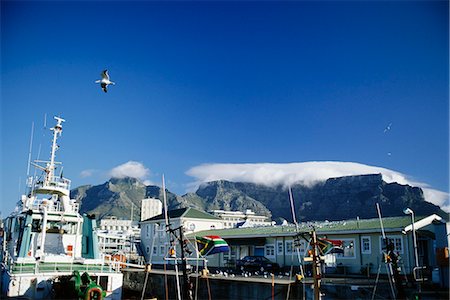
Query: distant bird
x=388 y=128
x=104 y=82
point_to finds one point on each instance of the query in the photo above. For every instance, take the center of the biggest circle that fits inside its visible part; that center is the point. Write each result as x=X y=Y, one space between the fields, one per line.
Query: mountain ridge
x=337 y=198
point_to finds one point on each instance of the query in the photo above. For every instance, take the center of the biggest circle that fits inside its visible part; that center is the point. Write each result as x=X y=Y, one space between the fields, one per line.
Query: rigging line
x=209 y=288
x=149 y=265
x=196 y=279
x=145 y=283
x=295 y=247
x=194 y=246
x=35 y=169
x=291 y=271
x=30 y=149
x=388 y=268
x=165 y=280
x=168 y=229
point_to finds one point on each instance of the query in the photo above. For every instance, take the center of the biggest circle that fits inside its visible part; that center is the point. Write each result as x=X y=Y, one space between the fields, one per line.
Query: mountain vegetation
x=334 y=199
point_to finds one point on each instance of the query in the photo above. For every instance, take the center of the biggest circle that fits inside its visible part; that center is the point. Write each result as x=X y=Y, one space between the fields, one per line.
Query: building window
x=303 y=246
x=279 y=248
x=288 y=247
x=396 y=240
x=230 y=254
x=147 y=230
x=160 y=232
x=366 y=245
x=270 y=250
x=148 y=249
x=162 y=250
x=154 y=250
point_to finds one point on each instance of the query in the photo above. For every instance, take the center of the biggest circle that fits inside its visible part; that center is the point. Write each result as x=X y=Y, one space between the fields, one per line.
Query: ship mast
x=56 y=186
x=57 y=130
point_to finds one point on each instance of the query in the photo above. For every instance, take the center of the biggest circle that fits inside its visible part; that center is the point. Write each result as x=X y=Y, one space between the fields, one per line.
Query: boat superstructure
x=46 y=239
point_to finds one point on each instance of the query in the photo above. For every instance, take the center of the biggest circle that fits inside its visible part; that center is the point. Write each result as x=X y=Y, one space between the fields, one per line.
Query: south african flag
x=211 y=244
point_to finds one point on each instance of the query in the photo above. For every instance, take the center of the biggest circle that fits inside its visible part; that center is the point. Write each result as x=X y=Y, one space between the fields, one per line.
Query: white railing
x=54 y=182
x=54 y=206
x=58 y=267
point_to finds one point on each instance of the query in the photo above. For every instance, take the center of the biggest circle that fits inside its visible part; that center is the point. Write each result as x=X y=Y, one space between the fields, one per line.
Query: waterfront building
x=360 y=243
x=150 y=207
x=118 y=236
x=233 y=219
x=155 y=241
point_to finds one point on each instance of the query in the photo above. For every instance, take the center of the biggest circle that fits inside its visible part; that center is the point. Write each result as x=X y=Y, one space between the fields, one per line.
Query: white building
x=155 y=241
x=234 y=219
x=150 y=207
x=118 y=236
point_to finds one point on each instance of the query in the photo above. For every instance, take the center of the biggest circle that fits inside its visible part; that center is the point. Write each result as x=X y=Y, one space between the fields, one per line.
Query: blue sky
x=225 y=83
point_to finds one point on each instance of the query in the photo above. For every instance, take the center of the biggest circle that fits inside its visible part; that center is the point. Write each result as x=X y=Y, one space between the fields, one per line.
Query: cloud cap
x=306 y=173
x=130 y=169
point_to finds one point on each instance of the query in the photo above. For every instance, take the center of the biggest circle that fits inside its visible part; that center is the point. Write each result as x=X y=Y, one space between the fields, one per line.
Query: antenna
x=31 y=147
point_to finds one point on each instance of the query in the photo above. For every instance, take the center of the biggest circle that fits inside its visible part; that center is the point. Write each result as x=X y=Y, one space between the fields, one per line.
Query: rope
x=207 y=284
x=389 y=270
x=145 y=284
x=290 y=275
x=376 y=281
x=165 y=280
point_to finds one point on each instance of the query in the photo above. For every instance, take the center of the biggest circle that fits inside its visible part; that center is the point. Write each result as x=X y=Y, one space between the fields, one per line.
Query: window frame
x=280 y=243
x=266 y=247
x=393 y=237
x=363 y=251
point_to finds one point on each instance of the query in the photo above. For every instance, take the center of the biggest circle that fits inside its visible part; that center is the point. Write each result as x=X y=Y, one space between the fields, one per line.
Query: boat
x=48 y=249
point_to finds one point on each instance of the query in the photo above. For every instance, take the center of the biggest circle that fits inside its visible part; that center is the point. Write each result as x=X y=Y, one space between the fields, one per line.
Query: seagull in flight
x=388 y=128
x=104 y=82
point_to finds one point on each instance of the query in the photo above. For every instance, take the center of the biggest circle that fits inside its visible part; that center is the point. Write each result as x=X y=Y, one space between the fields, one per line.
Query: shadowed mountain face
x=334 y=199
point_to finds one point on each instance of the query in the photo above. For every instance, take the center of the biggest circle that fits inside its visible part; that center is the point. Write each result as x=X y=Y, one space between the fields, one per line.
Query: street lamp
x=409 y=211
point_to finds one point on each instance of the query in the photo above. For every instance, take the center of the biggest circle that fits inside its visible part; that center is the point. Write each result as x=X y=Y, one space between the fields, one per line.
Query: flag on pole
x=211 y=244
x=326 y=245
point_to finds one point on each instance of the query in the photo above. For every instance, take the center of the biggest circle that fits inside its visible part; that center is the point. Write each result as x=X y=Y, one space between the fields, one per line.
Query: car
x=259 y=263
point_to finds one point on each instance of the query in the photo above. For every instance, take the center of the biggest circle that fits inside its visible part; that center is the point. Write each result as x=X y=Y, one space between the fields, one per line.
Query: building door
x=422 y=247
x=259 y=251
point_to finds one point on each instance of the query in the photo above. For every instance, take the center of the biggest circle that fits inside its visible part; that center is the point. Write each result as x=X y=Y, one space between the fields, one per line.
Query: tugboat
x=46 y=244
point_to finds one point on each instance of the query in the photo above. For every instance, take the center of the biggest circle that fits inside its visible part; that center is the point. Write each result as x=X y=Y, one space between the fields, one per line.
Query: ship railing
x=41 y=203
x=55 y=206
x=60 y=267
x=54 y=182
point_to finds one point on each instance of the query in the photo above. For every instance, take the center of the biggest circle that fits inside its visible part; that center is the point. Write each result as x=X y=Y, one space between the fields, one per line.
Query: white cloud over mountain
x=130 y=169
x=307 y=173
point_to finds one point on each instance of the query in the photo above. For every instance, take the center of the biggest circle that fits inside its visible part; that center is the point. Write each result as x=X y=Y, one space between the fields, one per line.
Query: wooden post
x=316 y=266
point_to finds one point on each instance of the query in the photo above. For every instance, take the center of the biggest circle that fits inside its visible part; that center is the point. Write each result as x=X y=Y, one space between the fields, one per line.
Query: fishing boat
x=48 y=249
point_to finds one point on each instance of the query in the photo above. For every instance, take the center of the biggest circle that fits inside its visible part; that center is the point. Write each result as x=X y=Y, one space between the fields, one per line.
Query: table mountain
x=334 y=199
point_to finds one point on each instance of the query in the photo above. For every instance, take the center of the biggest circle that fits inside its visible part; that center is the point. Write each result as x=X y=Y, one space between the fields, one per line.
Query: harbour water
x=250 y=288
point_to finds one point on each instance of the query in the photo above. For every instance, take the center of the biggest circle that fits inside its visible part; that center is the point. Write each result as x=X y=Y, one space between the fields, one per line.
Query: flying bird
x=104 y=82
x=388 y=128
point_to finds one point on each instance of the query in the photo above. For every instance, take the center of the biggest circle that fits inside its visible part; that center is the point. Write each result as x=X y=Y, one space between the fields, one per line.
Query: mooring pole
x=316 y=266
x=186 y=294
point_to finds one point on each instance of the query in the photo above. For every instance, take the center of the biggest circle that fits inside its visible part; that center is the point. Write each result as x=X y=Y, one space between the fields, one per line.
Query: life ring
x=94 y=293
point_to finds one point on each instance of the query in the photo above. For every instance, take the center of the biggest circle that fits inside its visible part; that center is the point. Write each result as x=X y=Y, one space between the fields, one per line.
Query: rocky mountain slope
x=334 y=199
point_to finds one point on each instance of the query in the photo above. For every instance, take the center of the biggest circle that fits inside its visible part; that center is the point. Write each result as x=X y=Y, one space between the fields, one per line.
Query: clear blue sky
x=225 y=82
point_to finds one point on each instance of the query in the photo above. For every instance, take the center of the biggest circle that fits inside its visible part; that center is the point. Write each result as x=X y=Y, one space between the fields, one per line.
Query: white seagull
x=104 y=82
x=388 y=128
